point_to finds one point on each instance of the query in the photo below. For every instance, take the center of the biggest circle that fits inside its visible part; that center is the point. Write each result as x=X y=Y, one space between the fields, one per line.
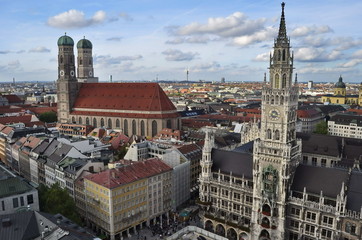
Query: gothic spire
x=282 y=36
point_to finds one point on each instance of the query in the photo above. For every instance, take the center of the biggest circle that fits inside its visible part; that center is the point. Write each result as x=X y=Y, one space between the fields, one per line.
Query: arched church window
x=276 y=99
x=154 y=128
x=271 y=100
x=277 y=135
x=125 y=127
x=267 y=98
x=134 y=127
x=168 y=123
x=118 y=125
x=80 y=61
x=283 y=54
x=284 y=83
x=281 y=99
x=94 y=122
x=73 y=119
x=268 y=134
x=142 y=128
x=279 y=55
x=80 y=121
x=102 y=122
x=109 y=123
x=87 y=121
x=276 y=80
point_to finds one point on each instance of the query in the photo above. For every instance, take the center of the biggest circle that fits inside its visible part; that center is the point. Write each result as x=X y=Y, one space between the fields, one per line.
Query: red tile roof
x=16 y=119
x=123 y=96
x=112 y=178
x=125 y=115
x=12 y=98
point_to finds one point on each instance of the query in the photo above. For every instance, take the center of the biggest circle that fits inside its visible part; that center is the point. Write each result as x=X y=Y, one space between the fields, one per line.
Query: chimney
x=6 y=222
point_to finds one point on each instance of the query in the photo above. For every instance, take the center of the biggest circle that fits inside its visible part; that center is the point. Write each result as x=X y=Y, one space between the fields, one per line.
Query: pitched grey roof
x=240 y=164
x=347 y=119
x=354 y=192
x=13 y=186
x=320 y=144
x=23 y=225
x=317 y=179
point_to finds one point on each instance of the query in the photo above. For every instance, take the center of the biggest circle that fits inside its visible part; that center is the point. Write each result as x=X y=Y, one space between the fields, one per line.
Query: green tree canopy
x=48 y=117
x=57 y=200
x=322 y=128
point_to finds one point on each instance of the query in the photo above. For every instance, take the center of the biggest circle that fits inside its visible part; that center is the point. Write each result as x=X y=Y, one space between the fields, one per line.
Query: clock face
x=72 y=73
x=90 y=73
x=274 y=114
x=61 y=73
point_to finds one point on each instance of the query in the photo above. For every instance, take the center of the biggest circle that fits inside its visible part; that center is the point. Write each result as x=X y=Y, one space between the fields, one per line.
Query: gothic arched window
x=80 y=61
x=94 y=122
x=142 y=128
x=154 y=128
x=87 y=121
x=283 y=54
x=276 y=81
x=134 y=127
x=61 y=59
x=284 y=83
x=125 y=127
x=279 y=55
x=80 y=120
x=168 y=123
x=109 y=123
x=102 y=122
x=268 y=134
x=118 y=125
x=277 y=135
x=73 y=119
x=281 y=99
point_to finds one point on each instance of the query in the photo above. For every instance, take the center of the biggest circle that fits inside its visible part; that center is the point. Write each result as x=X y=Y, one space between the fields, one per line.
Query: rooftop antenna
x=187 y=74
x=110 y=78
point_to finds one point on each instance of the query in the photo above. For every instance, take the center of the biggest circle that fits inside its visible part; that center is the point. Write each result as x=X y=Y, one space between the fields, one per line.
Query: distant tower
x=310 y=84
x=13 y=81
x=67 y=84
x=85 y=71
x=222 y=80
x=340 y=88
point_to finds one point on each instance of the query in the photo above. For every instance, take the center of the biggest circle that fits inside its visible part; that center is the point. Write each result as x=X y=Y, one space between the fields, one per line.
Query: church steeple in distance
x=282 y=36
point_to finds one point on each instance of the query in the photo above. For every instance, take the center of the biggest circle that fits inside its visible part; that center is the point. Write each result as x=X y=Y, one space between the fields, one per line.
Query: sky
x=143 y=40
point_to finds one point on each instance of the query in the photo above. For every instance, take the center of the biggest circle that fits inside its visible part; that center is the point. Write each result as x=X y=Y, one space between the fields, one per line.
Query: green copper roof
x=84 y=43
x=65 y=41
x=340 y=83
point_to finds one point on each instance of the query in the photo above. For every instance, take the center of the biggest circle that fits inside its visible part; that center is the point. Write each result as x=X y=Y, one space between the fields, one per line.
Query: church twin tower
x=68 y=76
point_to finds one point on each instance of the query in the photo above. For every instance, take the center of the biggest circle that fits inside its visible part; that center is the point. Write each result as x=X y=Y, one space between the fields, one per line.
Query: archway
x=266 y=210
x=264 y=235
x=243 y=236
x=142 y=128
x=220 y=230
x=109 y=123
x=154 y=128
x=80 y=121
x=265 y=223
x=231 y=234
x=209 y=226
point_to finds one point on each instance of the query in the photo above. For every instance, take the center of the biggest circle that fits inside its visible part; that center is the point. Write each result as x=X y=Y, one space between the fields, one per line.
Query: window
x=276 y=79
x=326 y=234
x=109 y=123
x=328 y=220
x=142 y=128
x=21 y=201
x=30 y=199
x=102 y=122
x=94 y=122
x=311 y=216
x=15 y=203
x=125 y=127
x=295 y=211
x=294 y=224
x=248 y=199
x=3 y=205
x=309 y=229
x=324 y=162
x=305 y=159
x=154 y=128
x=87 y=121
x=118 y=124
x=134 y=127
x=314 y=161
x=293 y=236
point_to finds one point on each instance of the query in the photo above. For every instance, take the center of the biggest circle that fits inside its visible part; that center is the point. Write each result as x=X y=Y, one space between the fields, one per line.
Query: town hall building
x=282 y=185
x=133 y=108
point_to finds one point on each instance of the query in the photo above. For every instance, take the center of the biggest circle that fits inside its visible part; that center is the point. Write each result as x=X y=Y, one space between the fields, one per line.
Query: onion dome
x=340 y=83
x=84 y=43
x=65 y=41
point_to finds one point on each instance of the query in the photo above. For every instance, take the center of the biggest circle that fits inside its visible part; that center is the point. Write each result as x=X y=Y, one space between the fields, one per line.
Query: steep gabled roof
x=123 y=96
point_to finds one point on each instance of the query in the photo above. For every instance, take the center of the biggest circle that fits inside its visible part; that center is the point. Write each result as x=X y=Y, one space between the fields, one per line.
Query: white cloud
x=207 y=67
x=39 y=50
x=357 y=54
x=116 y=39
x=75 y=19
x=323 y=70
x=263 y=57
x=310 y=54
x=351 y=63
x=260 y=36
x=310 y=30
x=177 y=55
x=234 y=25
x=193 y=39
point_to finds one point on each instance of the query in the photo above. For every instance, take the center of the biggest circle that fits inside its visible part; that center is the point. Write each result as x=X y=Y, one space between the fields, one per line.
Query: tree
x=322 y=128
x=48 y=117
x=57 y=200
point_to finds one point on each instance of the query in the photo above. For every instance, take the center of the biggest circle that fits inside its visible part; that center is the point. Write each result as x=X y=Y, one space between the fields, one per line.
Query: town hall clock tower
x=277 y=152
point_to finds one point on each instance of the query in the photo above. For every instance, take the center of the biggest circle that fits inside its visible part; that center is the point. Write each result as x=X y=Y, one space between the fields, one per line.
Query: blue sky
x=146 y=39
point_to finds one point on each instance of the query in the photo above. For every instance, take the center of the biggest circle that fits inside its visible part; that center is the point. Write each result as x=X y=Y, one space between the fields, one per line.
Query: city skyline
x=147 y=40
